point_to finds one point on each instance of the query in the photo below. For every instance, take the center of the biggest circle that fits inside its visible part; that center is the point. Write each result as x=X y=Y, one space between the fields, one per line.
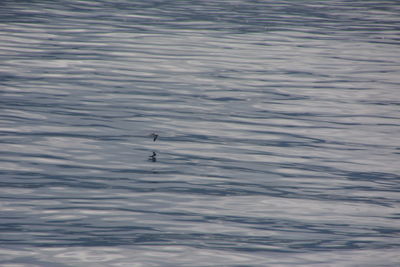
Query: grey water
x=278 y=129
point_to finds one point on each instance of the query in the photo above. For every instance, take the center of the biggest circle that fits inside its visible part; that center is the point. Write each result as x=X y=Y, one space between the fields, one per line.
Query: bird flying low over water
x=154 y=136
x=153 y=157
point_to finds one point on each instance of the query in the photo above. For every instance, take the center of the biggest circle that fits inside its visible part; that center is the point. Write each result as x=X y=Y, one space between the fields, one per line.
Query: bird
x=154 y=136
x=153 y=157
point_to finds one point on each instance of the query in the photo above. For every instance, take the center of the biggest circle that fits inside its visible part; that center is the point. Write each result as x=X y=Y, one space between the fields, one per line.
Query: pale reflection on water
x=183 y=256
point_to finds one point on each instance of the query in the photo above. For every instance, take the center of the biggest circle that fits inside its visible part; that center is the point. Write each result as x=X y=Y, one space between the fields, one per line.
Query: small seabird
x=154 y=136
x=153 y=157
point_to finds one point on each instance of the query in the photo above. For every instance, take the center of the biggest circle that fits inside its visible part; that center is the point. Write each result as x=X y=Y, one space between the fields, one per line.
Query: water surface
x=278 y=127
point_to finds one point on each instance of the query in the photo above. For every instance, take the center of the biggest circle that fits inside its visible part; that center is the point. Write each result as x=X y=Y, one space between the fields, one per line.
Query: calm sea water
x=278 y=123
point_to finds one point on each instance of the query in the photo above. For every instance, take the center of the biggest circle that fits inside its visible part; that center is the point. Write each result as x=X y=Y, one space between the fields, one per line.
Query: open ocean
x=278 y=129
